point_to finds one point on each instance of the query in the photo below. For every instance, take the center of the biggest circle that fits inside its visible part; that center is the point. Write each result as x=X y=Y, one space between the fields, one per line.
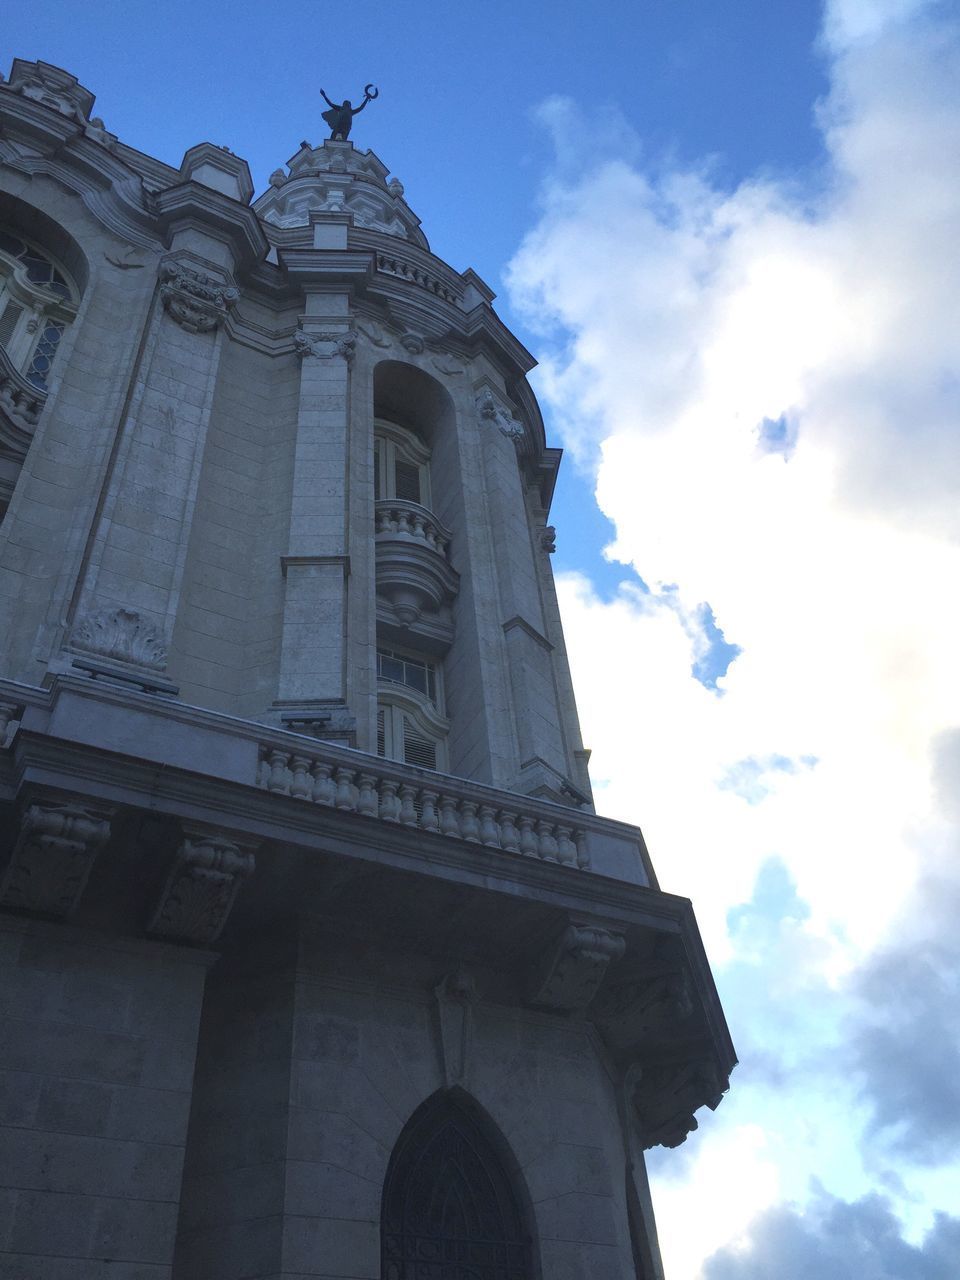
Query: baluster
x=263 y=770
x=367 y=800
x=548 y=845
x=324 y=787
x=488 y=827
x=403 y=521
x=566 y=849
x=449 y=822
x=469 y=826
x=389 y=804
x=346 y=798
x=583 y=849
x=382 y=521
x=430 y=533
x=301 y=787
x=278 y=780
x=528 y=841
x=429 y=818
x=418 y=525
x=509 y=835
x=408 y=814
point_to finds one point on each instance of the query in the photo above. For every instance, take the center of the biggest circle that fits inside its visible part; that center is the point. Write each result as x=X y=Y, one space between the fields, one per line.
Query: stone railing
x=21 y=400
x=404 y=269
x=435 y=803
x=395 y=516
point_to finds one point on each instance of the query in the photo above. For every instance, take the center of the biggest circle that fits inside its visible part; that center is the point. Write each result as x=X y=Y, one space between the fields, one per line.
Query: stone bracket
x=662 y=1098
x=203 y=883
x=55 y=851
x=325 y=344
x=570 y=971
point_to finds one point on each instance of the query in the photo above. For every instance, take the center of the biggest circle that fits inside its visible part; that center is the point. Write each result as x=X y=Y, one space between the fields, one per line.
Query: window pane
x=408 y=481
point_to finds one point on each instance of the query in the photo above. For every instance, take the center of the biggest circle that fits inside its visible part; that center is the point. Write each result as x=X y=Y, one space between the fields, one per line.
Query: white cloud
x=691 y=329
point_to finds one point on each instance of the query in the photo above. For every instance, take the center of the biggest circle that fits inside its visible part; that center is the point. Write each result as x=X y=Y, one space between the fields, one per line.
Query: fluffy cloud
x=839 y=1241
x=765 y=383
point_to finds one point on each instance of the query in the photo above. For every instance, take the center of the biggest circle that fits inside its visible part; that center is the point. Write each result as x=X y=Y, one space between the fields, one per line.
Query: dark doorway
x=450 y=1209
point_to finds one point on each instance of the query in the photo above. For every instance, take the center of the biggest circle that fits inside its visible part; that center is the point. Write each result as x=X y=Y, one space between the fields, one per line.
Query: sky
x=729 y=233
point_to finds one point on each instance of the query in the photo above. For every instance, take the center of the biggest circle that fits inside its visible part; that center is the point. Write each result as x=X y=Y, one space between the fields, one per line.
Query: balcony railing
x=410 y=520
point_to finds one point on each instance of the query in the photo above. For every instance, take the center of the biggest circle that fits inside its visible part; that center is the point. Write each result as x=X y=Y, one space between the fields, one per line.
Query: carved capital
x=326 y=345
x=207 y=872
x=196 y=301
x=121 y=634
x=455 y=996
x=571 y=970
x=51 y=860
x=664 y=1096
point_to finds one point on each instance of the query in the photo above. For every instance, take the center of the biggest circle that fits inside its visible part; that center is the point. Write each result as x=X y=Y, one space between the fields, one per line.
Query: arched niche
x=455 y=1206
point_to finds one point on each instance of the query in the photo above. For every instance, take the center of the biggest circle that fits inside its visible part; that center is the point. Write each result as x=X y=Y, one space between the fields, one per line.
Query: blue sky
x=729 y=233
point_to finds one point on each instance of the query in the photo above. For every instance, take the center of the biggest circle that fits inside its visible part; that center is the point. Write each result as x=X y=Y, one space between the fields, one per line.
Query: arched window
x=37 y=301
x=401 y=465
x=410 y=723
x=450 y=1210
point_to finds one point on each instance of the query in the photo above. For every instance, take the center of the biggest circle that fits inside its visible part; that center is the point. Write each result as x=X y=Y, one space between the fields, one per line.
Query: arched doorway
x=451 y=1210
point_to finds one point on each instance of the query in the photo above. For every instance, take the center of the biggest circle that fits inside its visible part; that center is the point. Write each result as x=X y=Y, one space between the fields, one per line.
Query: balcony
x=137 y=814
x=413 y=568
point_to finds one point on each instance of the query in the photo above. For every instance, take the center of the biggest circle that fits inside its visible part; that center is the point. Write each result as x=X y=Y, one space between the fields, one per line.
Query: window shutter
x=381 y=732
x=418 y=749
x=408 y=481
x=8 y=321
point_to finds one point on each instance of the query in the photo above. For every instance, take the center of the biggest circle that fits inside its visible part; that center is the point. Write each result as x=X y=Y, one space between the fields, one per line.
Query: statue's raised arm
x=340 y=116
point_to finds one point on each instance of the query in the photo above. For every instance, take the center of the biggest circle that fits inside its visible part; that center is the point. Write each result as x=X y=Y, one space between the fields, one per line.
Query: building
x=317 y=960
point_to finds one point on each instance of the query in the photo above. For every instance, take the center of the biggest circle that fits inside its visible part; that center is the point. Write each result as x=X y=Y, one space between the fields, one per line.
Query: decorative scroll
x=121 y=634
x=200 y=890
x=197 y=302
x=570 y=972
x=51 y=861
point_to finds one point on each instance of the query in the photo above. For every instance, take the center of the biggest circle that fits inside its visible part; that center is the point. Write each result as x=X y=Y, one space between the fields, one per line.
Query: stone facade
x=299 y=866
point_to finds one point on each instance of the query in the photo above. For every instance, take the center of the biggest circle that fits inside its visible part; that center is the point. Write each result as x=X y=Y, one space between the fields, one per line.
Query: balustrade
x=408 y=519
x=460 y=814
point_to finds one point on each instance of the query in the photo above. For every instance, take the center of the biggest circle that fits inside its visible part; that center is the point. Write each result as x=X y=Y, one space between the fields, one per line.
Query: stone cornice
x=194 y=204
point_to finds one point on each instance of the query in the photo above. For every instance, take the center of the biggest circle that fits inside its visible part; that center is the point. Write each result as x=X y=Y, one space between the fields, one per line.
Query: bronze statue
x=340 y=116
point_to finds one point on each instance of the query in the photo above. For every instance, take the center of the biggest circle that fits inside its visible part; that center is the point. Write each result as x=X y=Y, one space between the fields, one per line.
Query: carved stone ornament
x=196 y=301
x=326 y=345
x=570 y=971
x=201 y=887
x=121 y=634
x=53 y=87
x=373 y=331
x=641 y=1005
x=548 y=539
x=51 y=861
x=664 y=1097
x=455 y=996
x=494 y=414
x=412 y=342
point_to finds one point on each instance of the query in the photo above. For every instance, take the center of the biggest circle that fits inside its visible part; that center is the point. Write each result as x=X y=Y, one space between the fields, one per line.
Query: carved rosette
x=663 y=1098
x=196 y=301
x=121 y=634
x=570 y=972
x=51 y=861
x=325 y=345
x=196 y=900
